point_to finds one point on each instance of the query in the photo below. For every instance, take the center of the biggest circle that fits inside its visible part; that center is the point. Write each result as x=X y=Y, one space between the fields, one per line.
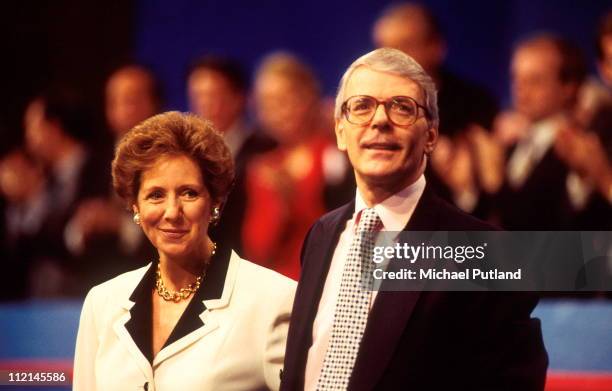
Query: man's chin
x=388 y=177
x=382 y=177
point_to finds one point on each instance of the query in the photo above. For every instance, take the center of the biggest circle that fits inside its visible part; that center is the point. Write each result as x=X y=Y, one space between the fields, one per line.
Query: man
x=217 y=91
x=604 y=48
x=546 y=74
x=387 y=122
x=586 y=148
x=57 y=126
x=132 y=95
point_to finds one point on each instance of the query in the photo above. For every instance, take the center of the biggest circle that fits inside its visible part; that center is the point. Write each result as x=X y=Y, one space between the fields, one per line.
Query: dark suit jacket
x=423 y=340
x=541 y=202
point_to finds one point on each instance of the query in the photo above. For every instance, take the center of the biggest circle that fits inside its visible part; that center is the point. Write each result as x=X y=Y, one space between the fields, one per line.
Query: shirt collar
x=395 y=211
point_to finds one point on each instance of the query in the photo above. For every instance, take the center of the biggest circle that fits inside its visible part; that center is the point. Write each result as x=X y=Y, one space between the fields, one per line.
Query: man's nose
x=380 y=120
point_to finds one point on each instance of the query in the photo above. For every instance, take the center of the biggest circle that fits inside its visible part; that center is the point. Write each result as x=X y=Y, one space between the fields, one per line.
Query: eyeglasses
x=401 y=110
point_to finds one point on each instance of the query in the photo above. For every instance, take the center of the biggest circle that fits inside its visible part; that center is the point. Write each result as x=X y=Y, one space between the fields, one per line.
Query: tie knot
x=369 y=221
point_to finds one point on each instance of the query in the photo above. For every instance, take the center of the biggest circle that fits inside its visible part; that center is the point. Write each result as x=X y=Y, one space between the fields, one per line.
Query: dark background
x=80 y=43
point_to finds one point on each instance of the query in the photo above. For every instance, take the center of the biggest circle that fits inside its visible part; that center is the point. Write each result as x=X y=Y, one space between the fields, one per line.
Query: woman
x=199 y=317
x=286 y=187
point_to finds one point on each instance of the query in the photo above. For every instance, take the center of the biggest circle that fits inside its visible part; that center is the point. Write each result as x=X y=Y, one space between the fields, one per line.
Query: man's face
x=42 y=137
x=211 y=96
x=605 y=64
x=129 y=100
x=536 y=88
x=381 y=153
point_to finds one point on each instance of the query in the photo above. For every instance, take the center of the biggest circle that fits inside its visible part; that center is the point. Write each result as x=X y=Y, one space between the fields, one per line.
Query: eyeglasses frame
x=344 y=109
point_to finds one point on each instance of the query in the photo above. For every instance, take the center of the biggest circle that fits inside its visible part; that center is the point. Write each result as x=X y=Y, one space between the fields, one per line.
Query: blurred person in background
x=57 y=127
x=586 y=147
x=101 y=234
x=547 y=72
x=132 y=94
x=286 y=187
x=604 y=49
x=23 y=207
x=456 y=171
x=197 y=317
x=217 y=89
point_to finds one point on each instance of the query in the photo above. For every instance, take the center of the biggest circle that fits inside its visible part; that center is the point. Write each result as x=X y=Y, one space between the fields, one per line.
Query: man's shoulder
x=336 y=216
x=435 y=214
x=449 y=217
x=328 y=225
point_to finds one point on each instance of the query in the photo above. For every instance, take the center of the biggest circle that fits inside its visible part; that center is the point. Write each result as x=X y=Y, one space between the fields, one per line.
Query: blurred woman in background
x=286 y=187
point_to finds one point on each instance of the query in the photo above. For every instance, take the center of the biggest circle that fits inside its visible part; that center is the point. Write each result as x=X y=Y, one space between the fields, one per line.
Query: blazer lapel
x=200 y=317
x=122 y=327
x=316 y=258
x=391 y=311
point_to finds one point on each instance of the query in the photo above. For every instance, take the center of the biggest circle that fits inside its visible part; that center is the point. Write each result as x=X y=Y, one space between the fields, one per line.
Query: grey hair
x=395 y=62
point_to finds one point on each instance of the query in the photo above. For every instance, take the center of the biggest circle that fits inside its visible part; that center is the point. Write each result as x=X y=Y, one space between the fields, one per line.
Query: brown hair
x=172 y=133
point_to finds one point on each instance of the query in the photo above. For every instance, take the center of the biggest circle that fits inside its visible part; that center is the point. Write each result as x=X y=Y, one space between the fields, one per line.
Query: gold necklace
x=183 y=293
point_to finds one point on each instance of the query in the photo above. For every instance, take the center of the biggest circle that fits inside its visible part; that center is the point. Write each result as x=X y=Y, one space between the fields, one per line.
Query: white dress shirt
x=394 y=212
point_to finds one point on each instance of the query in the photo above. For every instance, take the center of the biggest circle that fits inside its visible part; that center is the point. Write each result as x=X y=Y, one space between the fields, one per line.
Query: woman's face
x=283 y=107
x=175 y=208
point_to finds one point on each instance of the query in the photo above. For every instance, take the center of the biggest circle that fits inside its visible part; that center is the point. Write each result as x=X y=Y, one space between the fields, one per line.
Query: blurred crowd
x=543 y=163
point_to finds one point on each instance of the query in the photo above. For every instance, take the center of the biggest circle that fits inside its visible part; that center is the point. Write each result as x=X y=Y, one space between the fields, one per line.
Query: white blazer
x=239 y=346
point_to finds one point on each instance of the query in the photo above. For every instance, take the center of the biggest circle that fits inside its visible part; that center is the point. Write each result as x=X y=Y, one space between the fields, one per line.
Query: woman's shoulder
x=257 y=278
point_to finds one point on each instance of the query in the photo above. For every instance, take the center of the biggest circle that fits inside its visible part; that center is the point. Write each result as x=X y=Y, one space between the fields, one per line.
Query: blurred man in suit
x=343 y=336
x=546 y=74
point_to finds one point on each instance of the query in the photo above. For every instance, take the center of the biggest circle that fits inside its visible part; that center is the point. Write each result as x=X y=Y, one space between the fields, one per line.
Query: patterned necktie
x=352 y=307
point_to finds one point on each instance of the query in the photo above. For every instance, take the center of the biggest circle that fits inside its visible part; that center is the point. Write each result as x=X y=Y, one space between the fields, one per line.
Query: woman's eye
x=155 y=195
x=190 y=193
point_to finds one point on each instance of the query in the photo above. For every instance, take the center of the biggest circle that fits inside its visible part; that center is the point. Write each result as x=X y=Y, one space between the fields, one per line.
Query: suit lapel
x=391 y=311
x=316 y=257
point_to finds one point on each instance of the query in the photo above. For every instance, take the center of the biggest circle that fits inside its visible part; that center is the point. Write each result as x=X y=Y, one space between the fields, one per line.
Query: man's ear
x=432 y=139
x=340 y=135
